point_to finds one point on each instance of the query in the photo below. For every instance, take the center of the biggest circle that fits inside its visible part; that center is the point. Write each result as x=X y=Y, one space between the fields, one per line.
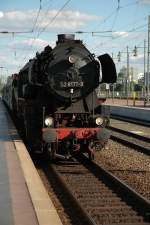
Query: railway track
x=100 y=197
x=114 y=207
x=134 y=140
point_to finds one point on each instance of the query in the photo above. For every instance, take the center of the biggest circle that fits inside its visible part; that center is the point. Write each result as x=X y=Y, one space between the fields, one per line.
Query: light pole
x=144 y=70
x=122 y=79
x=127 y=77
x=127 y=72
x=148 y=59
x=113 y=84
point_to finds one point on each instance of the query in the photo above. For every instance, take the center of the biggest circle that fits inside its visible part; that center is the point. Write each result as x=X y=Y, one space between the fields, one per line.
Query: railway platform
x=119 y=107
x=130 y=127
x=23 y=198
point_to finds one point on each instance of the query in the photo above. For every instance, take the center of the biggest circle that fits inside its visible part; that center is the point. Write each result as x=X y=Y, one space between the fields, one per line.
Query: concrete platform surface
x=119 y=107
x=133 y=128
x=23 y=198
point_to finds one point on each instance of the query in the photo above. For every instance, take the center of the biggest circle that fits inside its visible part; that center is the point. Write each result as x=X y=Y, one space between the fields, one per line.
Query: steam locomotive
x=55 y=100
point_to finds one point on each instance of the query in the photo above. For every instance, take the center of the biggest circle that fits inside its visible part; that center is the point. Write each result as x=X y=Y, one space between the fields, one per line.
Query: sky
x=107 y=26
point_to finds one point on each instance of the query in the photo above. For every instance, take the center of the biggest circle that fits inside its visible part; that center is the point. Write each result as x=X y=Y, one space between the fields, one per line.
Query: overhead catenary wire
x=28 y=31
x=44 y=15
x=114 y=12
x=116 y=15
x=51 y=21
x=34 y=25
x=15 y=32
x=119 y=35
x=135 y=14
x=54 y=17
x=119 y=7
x=35 y=21
x=45 y=29
x=38 y=14
x=114 y=21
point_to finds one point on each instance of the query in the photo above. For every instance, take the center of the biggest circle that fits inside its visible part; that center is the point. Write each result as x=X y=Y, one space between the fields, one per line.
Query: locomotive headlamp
x=99 y=121
x=72 y=59
x=49 y=121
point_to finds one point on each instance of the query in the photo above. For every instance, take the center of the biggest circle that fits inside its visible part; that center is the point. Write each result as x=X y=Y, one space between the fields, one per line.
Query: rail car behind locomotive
x=55 y=100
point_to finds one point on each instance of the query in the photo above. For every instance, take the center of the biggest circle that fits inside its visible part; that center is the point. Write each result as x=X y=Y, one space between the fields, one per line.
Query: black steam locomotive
x=55 y=100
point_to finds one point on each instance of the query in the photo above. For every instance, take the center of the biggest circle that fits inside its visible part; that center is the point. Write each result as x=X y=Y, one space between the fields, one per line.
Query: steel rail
x=86 y=216
x=138 y=202
x=140 y=137
x=124 y=137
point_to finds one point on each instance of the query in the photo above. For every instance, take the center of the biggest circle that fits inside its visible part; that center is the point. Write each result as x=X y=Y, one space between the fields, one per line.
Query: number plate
x=71 y=84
